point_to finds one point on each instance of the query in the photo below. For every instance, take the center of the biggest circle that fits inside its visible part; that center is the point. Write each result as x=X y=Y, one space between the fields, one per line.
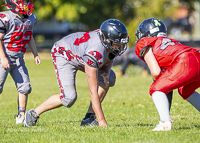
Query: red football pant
x=184 y=74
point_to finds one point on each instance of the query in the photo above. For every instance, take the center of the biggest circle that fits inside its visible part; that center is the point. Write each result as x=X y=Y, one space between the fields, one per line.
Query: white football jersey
x=18 y=33
x=82 y=47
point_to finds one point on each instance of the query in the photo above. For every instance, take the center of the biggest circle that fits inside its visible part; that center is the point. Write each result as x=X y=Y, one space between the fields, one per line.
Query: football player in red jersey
x=90 y=52
x=16 y=27
x=172 y=65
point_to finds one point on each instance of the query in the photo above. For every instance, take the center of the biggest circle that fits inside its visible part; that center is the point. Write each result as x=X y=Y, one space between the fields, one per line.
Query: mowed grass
x=128 y=108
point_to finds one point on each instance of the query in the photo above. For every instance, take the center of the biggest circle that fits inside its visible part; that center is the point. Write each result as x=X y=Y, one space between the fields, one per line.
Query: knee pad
x=68 y=102
x=112 y=78
x=69 y=97
x=24 y=88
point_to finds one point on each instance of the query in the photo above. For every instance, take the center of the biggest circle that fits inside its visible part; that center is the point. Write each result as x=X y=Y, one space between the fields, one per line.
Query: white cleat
x=20 y=119
x=163 y=126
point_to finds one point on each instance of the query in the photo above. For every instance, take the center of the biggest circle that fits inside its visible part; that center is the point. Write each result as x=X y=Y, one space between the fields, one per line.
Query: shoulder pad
x=4 y=17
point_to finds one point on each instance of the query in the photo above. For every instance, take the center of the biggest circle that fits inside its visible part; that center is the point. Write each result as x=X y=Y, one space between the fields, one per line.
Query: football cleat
x=163 y=126
x=19 y=119
x=89 y=121
x=31 y=118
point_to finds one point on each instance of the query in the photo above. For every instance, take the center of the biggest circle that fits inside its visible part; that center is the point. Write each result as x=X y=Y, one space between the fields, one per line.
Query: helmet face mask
x=113 y=33
x=151 y=27
x=20 y=6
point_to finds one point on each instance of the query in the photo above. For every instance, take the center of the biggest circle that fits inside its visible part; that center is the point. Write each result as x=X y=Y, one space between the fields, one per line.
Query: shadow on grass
x=56 y=122
x=184 y=127
x=144 y=125
x=133 y=125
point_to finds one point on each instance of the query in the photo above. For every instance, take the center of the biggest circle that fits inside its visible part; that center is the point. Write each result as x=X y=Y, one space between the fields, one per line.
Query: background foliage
x=92 y=13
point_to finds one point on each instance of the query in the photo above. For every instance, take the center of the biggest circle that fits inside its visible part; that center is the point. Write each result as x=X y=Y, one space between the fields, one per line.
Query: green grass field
x=128 y=108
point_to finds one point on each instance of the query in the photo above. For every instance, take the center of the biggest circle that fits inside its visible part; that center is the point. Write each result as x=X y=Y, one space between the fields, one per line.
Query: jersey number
x=84 y=38
x=20 y=39
x=166 y=43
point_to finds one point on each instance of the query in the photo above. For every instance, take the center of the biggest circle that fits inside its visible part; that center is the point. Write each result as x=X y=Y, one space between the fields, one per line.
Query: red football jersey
x=165 y=49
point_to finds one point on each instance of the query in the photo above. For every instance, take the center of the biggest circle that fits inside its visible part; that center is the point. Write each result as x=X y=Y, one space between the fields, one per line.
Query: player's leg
x=51 y=103
x=32 y=115
x=174 y=77
x=162 y=101
x=102 y=91
x=188 y=93
x=22 y=102
x=54 y=101
x=162 y=105
x=3 y=75
x=169 y=97
x=194 y=100
x=20 y=75
x=66 y=80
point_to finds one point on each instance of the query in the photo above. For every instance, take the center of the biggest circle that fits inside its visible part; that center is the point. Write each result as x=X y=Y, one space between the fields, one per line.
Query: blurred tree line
x=92 y=13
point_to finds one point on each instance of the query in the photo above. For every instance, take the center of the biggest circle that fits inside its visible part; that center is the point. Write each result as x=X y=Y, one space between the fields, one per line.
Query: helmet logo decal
x=154 y=30
x=157 y=23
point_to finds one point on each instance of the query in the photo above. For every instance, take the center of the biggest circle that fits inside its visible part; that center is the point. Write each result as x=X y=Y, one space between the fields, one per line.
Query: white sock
x=162 y=105
x=194 y=99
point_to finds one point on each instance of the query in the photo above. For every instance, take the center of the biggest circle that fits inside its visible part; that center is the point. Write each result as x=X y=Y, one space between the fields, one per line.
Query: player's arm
x=152 y=63
x=4 y=61
x=106 y=73
x=33 y=49
x=92 y=79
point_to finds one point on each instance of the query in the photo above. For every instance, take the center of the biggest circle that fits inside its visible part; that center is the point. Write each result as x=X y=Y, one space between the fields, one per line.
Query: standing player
x=172 y=65
x=93 y=53
x=16 y=28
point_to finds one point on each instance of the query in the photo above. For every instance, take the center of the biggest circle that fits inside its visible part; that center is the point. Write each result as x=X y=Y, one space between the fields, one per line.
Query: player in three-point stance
x=16 y=26
x=93 y=53
x=172 y=65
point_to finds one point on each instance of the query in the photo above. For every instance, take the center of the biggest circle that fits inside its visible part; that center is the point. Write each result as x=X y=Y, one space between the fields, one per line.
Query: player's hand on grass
x=102 y=123
x=37 y=60
x=5 y=63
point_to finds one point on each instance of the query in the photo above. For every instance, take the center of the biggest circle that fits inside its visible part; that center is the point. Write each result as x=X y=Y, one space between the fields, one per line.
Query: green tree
x=93 y=12
x=1 y=8
x=157 y=8
x=89 y=12
x=146 y=9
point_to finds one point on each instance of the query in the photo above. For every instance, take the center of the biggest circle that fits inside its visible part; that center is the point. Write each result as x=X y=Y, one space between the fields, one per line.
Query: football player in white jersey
x=16 y=27
x=90 y=52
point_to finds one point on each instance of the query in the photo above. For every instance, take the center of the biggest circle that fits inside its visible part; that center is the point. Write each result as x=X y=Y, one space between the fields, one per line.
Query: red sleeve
x=142 y=45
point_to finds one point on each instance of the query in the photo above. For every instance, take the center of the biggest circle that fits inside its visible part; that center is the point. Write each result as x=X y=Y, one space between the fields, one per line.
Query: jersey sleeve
x=142 y=45
x=4 y=19
x=33 y=19
x=94 y=56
